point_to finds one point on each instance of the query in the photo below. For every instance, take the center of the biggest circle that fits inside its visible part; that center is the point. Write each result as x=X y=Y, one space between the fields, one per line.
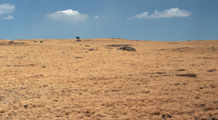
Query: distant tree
x=78 y=38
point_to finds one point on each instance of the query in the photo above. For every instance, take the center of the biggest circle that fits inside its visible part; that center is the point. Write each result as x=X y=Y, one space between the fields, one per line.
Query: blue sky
x=158 y=20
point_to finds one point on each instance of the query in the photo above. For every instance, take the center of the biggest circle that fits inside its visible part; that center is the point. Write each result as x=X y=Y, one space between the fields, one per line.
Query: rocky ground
x=104 y=79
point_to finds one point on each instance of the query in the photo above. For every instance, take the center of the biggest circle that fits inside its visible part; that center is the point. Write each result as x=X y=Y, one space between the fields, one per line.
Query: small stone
x=44 y=85
x=187 y=75
x=214 y=118
x=181 y=70
x=91 y=49
x=213 y=48
x=25 y=106
x=127 y=48
x=212 y=70
x=165 y=116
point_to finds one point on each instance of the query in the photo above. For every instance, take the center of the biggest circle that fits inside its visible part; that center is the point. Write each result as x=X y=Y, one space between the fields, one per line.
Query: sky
x=155 y=20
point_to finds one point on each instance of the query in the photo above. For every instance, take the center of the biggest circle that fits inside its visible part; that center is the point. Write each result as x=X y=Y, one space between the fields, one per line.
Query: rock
x=181 y=70
x=78 y=57
x=161 y=73
x=91 y=49
x=87 y=45
x=165 y=116
x=11 y=42
x=212 y=70
x=25 y=106
x=187 y=75
x=127 y=48
x=117 y=45
x=214 y=118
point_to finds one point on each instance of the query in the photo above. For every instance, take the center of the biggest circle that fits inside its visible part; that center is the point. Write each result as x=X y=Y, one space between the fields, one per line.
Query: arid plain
x=94 y=79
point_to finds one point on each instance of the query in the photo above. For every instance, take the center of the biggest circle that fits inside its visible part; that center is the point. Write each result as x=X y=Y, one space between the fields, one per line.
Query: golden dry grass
x=62 y=79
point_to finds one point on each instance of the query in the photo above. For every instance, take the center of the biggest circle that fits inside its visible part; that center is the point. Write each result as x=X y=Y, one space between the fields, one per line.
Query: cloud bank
x=173 y=12
x=67 y=15
x=6 y=9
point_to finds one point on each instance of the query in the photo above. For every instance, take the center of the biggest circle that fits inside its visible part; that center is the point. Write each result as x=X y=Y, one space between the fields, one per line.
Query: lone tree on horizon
x=78 y=38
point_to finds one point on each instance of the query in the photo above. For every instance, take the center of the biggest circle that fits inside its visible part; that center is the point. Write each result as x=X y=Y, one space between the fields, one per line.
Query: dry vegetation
x=92 y=79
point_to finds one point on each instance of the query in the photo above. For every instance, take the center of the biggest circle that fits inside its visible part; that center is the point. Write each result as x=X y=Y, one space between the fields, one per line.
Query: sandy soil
x=63 y=80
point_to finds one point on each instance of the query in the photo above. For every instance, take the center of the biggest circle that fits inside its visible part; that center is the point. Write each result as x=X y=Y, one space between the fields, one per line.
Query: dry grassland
x=63 y=80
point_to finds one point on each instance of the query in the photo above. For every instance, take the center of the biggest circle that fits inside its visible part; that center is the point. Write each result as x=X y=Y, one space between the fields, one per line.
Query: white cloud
x=6 y=9
x=173 y=12
x=99 y=17
x=9 y=17
x=67 y=15
x=96 y=17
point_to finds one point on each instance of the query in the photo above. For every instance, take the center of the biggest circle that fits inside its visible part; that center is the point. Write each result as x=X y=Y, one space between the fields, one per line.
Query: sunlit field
x=101 y=79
